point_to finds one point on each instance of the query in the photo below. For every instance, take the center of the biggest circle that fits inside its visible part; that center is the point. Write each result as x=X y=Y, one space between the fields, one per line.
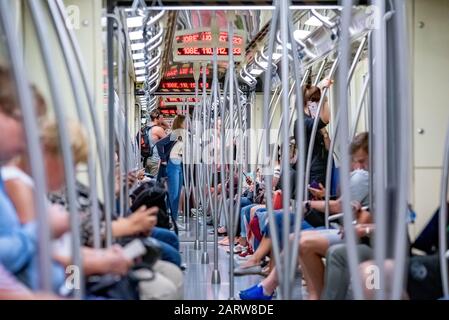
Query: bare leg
x=270 y=283
x=263 y=250
x=312 y=248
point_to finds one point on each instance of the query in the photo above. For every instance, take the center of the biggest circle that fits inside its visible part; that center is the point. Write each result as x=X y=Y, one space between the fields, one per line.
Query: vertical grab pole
x=300 y=166
x=205 y=255
x=122 y=175
x=127 y=140
x=111 y=112
x=402 y=62
x=268 y=171
x=91 y=104
x=195 y=152
x=379 y=99
x=286 y=190
x=231 y=17
x=215 y=103
x=38 y=18
x=26 y=102
x=69 y=60
x=186 y=163
x=350 y=237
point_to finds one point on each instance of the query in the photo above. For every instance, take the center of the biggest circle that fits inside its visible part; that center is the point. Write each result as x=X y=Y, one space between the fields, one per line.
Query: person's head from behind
x=360 y=151
x=310 y=94
x=12 y=142
x=53 y=159
x=178 y=122
x=156 y=116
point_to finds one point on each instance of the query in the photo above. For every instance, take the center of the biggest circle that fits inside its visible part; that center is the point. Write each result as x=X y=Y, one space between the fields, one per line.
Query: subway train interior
x=224 y=150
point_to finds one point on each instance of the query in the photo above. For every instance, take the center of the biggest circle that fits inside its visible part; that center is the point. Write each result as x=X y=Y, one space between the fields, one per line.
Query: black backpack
x=145 y=145
x=152 y=194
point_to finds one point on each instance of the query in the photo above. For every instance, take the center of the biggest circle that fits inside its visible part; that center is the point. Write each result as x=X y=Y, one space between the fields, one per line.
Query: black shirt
x=319 y=153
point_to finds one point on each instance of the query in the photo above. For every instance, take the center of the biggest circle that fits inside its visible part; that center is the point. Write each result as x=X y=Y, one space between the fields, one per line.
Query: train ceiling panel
x=184 y=37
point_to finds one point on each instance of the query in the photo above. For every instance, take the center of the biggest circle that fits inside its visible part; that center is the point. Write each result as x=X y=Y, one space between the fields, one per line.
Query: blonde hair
x=77 y=135
x=177 y=122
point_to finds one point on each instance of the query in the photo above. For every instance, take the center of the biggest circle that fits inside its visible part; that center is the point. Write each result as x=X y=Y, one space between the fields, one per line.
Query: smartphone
x=134 y=249
x=314 y=185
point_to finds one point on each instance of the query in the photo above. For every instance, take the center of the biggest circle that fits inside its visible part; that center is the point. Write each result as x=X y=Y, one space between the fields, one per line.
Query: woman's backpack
x=152 y=194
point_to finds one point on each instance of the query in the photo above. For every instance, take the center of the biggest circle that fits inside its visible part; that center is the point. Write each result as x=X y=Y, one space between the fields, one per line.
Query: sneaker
x=240 y=249
x=246 y=252
x=254 y=293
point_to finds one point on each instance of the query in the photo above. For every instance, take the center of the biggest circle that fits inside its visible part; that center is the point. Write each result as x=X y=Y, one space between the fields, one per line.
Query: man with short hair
x=156 y=132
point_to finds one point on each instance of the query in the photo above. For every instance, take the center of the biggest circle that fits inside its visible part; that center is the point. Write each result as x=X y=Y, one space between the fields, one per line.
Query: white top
x=12 y=172
x=176 y=151
x=60 y=246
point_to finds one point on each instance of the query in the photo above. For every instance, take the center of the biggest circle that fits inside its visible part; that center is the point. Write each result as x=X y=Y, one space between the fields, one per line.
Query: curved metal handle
x=325 y=20
x=156 y=45
x=150 y=21
x=156 y=36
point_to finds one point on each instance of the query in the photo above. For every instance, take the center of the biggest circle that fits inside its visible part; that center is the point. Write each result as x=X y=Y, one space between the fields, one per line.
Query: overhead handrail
x=325 y=20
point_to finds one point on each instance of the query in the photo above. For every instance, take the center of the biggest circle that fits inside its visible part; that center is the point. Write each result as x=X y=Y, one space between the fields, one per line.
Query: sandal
x=224 y=242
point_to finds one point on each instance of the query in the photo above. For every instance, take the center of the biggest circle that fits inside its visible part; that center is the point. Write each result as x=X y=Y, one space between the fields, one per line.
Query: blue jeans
x=169 y=243
x=166 y=236
x=279 y=220
x=174 y=182
x=245 y=213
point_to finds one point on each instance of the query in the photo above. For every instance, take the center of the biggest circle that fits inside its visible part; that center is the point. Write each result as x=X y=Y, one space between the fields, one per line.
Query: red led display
x=175 y=72
x=207 y=36
x=206 y=51
x=180 y=99
x=181 y=85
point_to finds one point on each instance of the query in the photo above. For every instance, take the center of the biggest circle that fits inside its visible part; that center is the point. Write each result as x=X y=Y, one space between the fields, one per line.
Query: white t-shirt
x=60 y=246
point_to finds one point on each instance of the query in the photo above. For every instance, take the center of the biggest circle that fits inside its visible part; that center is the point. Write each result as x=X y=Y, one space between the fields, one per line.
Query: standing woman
x=311 y=99
x=174 y=164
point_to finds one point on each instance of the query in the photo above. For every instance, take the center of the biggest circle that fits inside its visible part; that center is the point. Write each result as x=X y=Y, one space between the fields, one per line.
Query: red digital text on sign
x=207 y=36
x=191 y=51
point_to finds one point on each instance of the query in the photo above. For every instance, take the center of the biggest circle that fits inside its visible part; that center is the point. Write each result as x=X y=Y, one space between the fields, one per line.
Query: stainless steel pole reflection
x=350 y=237
x=69 y=60
x=300 y=166
x=379 y=113
x=216 y=279
x=231 y=17
x=204 y=206
x=195 y=153
x=402 y=58
x=92 y=112
x=268 y=170
x=38 y=18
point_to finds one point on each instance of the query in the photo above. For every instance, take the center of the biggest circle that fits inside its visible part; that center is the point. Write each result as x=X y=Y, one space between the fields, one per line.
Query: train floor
x=198 y=276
